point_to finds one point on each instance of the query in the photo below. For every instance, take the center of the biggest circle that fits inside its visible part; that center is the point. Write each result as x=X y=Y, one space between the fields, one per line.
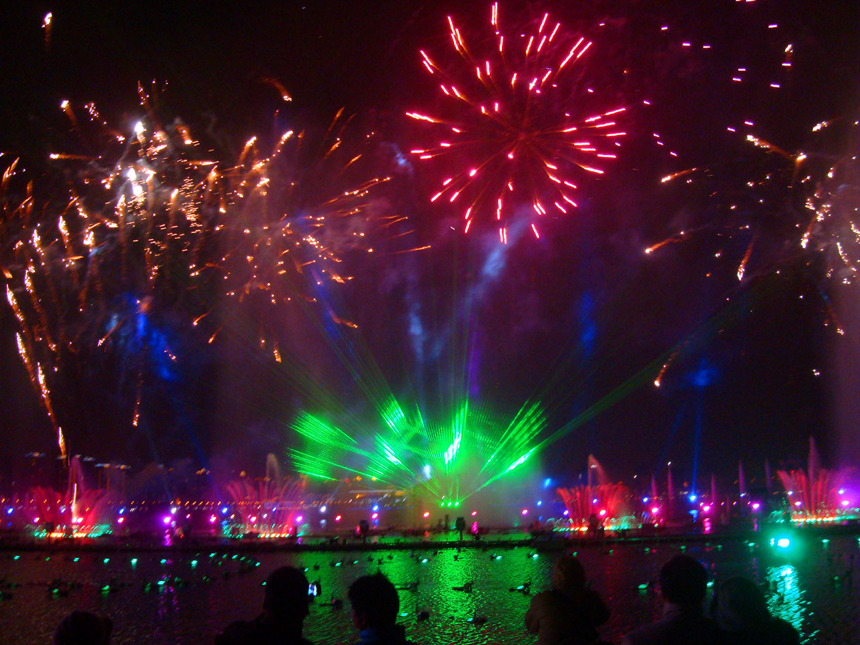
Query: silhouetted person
x=683 y=585
x=83 y=628
x=460 y=525
x=740 y=610
x=285 y=608
x=375 y=605
x=570 y=612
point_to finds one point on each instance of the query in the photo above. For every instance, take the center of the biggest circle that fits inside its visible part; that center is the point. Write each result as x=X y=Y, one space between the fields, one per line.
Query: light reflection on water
x=787 y=601
x=197 y=600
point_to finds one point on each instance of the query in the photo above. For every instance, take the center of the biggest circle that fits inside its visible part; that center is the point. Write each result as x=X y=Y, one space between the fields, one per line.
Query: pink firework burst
x=518 y=126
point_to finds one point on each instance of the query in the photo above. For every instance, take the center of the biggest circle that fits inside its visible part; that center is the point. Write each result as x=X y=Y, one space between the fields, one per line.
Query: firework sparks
x=151 y=230
x=505 y=132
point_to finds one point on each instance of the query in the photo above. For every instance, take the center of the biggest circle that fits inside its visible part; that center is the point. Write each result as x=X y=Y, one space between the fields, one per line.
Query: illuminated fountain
x=603 y=502
x=270 y=506
x=77 y=512
x=818 y=495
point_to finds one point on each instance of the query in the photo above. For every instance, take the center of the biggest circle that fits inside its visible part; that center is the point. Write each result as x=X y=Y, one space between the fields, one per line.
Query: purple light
x=756 y=506
x=374 y=516
x=525 y=511
x=566 y=513
x=655 y=510
x=844 y=502
x=166 y=519
x=299 y=519
x=120 y=520
x=212 y=519
x=706 y=509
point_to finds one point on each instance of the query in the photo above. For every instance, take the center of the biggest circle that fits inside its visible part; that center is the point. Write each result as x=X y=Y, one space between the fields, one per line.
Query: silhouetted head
x=684 y=581
x=375 y=602
x=287 y=595
x=568 y=574
x=83 y=628
x=740 y=605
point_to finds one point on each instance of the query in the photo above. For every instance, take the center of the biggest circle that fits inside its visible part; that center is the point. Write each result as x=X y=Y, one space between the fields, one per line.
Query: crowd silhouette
x=569 y=613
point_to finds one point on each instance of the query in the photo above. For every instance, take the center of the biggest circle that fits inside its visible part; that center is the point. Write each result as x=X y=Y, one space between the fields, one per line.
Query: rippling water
x=203 y=592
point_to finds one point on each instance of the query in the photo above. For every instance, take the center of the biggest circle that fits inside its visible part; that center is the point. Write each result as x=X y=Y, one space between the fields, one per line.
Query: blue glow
x=586 y=320
x=224 y=510
x=121 y=511
x=693 y=497
x=645 y=500
x=547 y=482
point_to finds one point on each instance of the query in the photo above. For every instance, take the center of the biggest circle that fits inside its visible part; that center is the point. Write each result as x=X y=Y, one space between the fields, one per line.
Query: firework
x=519 y=125
x=149 y=239
x=767 y=205
x=288 y=218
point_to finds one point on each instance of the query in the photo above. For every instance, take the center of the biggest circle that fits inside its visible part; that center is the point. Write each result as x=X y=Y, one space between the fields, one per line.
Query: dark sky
x=568 y=319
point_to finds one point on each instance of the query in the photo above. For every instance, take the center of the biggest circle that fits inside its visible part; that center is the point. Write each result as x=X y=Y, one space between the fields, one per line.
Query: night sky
x=580 y=319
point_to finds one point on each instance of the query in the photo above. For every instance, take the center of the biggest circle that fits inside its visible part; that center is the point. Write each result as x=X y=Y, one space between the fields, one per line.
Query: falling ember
x=520 y=123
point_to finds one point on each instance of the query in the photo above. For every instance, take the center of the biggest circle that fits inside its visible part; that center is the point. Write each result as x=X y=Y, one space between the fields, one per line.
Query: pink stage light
x=212 y=519
x=337 y=518
x=525 y=511
x=655 y=510
x=166 y=519
x=426 y=513
x=374 y=516
x=474 y=513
